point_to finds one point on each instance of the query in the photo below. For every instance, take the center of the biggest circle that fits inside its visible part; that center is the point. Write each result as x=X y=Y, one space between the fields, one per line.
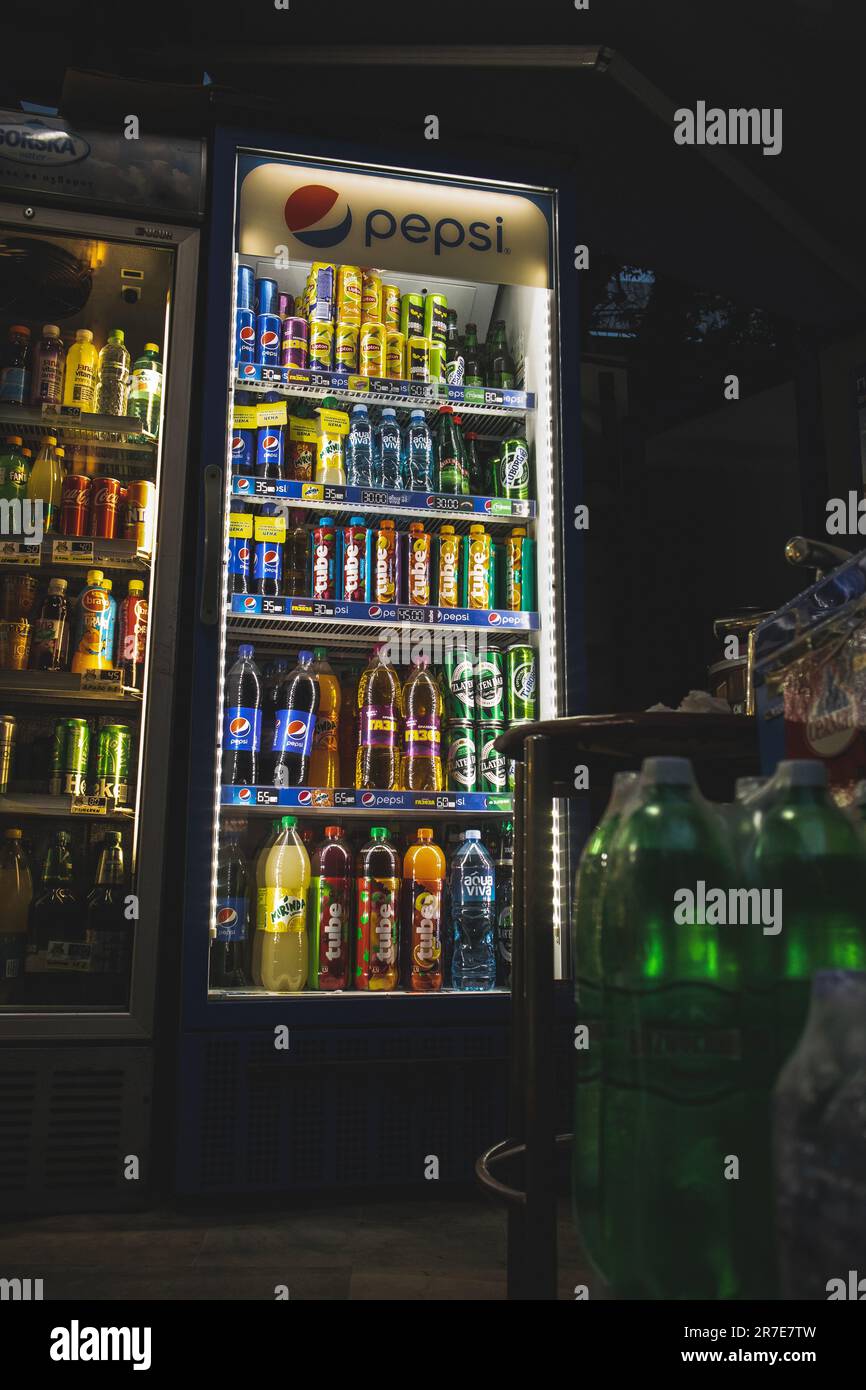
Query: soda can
x=385 y=563
x=391 y=306
x=325 y=559
x=58 y=748
x=294 y=343
x=459 y=685
x=461 y=764
x=515 y=558
x=266 y=296
x=418 y=359
x=437 y=362
x=268 y=332
x=412 y=316
x=18 y=595
x=285 y=305
x=448 y=568
x=420 y=542
x=76 y=751
x=321 y=345
x=346 y=347
x=435 y=317
x=245 y=335
x=139 y=515
x=323 y=279
x=492 y=774
x=74 y=504
x=355 y=565
x=371 y=297
x=520 y=683
x=246 y=288
x=349 y=288
x=372 y=349
x=395 y=354
x=490 y=688
x=112 y=762
x=513 y=469
x=104 y=507
x=269 y=451
x=477 y=547
x=20 y=635
x=243 y=450
x=8 y=732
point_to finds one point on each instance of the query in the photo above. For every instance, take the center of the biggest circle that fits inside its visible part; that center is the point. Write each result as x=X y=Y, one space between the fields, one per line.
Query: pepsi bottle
x=277 y=672
x=270 y=539
x=269 y=447
x=240 y=548
x=296 y=707
x=229 y=947
x=242 y=721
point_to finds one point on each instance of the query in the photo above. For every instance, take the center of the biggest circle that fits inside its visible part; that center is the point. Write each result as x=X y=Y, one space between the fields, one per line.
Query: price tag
x=274 y=413
x=19 y=553
x=240 y=526
x=89 y=806
x=303 y=431
x=271 y=528
x=245 y=417
x=72 y=552
x=110 y=681
x=71 y=411
x=333 y=421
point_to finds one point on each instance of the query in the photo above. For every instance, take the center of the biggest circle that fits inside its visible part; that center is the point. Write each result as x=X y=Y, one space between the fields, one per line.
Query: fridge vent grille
x=17 y=1104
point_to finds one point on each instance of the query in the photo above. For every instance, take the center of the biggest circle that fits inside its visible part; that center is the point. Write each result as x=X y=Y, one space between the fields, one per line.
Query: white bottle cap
x=801 y=772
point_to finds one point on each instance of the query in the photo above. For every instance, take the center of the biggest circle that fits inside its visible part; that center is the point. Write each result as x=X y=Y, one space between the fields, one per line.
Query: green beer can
x=437 y=362
x=462 y=766
x=459 y=686
x=520 y=683
x=58 y=747
x=492 y=773
x=435 y=321
x=513 y=469
x=76 y=750
x=490 y=688
x=112 y=762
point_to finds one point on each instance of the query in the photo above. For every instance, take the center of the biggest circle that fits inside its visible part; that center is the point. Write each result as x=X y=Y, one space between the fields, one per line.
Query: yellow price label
x=272 y=414
x=303 y=431
x=245 y=417
x=240 y=526
x=271 y=528
x=333 y=421
x=312 y=492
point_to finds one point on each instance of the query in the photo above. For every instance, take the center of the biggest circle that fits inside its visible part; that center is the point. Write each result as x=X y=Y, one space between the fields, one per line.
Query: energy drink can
x=419 y=564
x=391 y=306
x=349 y=287
x=435 y=320
x=477 y=548
x=246 y=288
x=295 y=343
x=267 y=292
x=459 y=686
x=371 y=297
x=8 y=732
x=515 y=570
x=461 y=763
x=437 y=362
x=321 y=345
x=492 y=774
x=418 y=359
x=76 y=751
x=448 y=567
x=346 y=346
x=324 y=562
x=371 y=356
x=385 y=564
x=490 y=688
x=245 y=335
x=520 y=683
x=412 y=316
x=268 y=330
x=355 y=566
x=58 y=749
x=112 y=762
x=513 y=469
x=395 y=354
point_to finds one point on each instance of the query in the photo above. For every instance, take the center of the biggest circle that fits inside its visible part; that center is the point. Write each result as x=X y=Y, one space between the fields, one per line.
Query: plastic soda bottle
x=145 y=389
x=377 y=763
x=132 y=642
x=82 y=372
x=325 y=755
x=16 y=895
x=112 y=389
x=377 y=945
x=423 y=896
x=331 y=892
x=94 y=625
x=422 y=730
x=14 y=470
x=330 y=467
x=230 y=943
x=359 y=449
x=47 y=381
x=242 y=721
x=296 y=709
x=419 y=455
x=281 y=948
x=449 y=453
x=45 y=483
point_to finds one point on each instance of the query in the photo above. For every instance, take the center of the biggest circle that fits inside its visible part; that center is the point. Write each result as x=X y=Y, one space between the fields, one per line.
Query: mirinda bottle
x=281 y=945
x=423 y=895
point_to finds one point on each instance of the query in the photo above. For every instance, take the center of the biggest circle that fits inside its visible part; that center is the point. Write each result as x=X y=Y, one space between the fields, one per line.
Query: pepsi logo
x=226 y=917
x=270 y=557
x=308 y=207
x=270 y=441
x=239 y=727
x=375 y=611
x=248 y=369
x=244 y=794
x=295 y=728
x=493 y=619
x=305 y=797
x=269 y=338
x=488 y=505
x=247 y=334
x=237 y=444
x=368 y=798
x=244 y=552
x=243 y=484
x=431 y=501
x=249 y=603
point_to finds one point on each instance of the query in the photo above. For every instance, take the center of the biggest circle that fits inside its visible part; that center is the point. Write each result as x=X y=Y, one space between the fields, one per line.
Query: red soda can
x=385 y=564
x=325 y=558
x=74 y=503
x=418 y=584
x=356 y=561
x=105 y=503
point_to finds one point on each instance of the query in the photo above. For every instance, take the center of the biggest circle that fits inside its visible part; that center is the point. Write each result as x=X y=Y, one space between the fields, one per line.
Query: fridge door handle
x=210 y=589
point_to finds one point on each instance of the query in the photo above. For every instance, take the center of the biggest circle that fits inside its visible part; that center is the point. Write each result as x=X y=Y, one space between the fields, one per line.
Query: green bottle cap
x=116 y=335
x=288 y=822
x=380 y=833
x=320 y=653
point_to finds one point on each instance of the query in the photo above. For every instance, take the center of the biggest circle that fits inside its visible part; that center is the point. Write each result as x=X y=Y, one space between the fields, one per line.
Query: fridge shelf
x=41 y=804
x=353 y=626
x=64 y=687
x=385 y=502
x=121 y=432
x=250 y=992
x=76 y=552
x=328 y=801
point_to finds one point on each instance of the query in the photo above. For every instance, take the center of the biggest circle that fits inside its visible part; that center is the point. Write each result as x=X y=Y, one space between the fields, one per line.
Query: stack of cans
x=482 y=698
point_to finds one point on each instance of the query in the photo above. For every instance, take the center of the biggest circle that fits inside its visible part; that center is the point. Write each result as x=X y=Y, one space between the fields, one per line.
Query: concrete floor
x=392 y=1250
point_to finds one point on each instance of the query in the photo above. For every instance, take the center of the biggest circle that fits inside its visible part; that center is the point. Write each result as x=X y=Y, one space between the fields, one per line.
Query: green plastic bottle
x=14 y=471
x=145 y=389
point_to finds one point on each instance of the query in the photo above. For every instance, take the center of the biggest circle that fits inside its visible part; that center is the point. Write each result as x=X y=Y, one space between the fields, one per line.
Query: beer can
x=492 y=774
x=266 y=296
x=515 y=557
x=461 y=766
x=18 y=595
x=459 y=685
x=395 y=354
x=104 y=507
x=490 y=688
x=112 y=762
x=74 y=502
x=435 y=320
x=520 y=683
x=371 y=354
x=513 y=469
x=294 y=344
x=246 y=288
x=391 y=306
x=346 y=346
x=419 y=564
x=58 y=748
x=477 y=547
x=437 y=362
x=412 y=316
x=418 y=359
x=18 y=651
x=349 y=290
x=8 y=732
x=268 y=332
x=448 y=568
x=139 y=516
x=76 y=751
x=371 y=297
x=321 y=345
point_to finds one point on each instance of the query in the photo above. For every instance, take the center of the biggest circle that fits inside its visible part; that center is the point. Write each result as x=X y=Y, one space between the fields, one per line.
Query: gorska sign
x=474 y=233
x=34 y=142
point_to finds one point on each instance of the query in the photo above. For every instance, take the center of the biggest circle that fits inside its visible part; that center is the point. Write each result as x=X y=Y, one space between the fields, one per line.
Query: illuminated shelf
x=75 y=552
x=442 y=506
x=248 y=992
x=32 y=422
x=254 y=608
x=63 y=687
x=41 y=804
x=326 y=801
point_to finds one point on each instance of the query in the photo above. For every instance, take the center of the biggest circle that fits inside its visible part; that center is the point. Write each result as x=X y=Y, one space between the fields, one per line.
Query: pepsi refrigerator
x=321 y=1088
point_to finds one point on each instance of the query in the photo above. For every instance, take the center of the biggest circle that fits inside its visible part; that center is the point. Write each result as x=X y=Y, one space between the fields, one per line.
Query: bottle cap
x=20 y=328
x=446 y=530
x=336 y=832
x=14 y=439
x=320 y=653
x=245 y=651
x=417 y=415
x=50 y=439
x=446 y=410
x=357 y=521
x=57 y=586
x=151 y=347
x=674 y=772
x=288 y=822
x=113 y=837
x=136 y=584
x=416 y=528
x=359 y=408
x=83 y=335
x=95 y=576
x=380 y=833
x=800 y=772
x=477 y=530
x=14 y=834
x=472 y=834
x=116 y=335
x=386 y=524
x=304 y=658
x=50 y=330
x=389 y=411
x=425 y=835
x=108 y=584
x=326 y=521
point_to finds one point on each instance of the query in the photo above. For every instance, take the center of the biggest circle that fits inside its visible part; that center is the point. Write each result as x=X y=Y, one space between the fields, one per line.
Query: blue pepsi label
x=243 y=728
x=269 y=445
x=245 y=335
x=231 y=919
x=268 y=560
x=240 y=555
x=269 y=328
x=293 y=732
x=243 y=451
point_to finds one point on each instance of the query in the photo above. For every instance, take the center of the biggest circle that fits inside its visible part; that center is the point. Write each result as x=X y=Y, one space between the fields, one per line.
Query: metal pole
x=517 y=1060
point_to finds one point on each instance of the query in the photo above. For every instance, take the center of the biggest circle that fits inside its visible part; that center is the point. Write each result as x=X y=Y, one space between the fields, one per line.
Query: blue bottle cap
x=304 y=658
x=357 y=521
x=359 y=407
x=326 y=521
x=245 y=651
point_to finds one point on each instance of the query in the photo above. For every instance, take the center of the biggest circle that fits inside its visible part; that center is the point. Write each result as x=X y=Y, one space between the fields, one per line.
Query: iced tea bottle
x=377 y=763
x=377 y=934
x=422 y=726
x=423 y=890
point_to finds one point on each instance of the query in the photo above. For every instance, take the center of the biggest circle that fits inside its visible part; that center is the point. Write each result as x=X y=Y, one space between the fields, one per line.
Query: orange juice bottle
x=281 y=944
x=424 y=889
x=325 y=755
x=82 y=372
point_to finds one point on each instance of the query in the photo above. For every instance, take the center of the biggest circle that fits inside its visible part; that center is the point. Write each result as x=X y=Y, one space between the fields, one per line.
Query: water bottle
x=112 y=388
x=359 y=449
x=419 y=454
x=388 y=450
x=473 y=903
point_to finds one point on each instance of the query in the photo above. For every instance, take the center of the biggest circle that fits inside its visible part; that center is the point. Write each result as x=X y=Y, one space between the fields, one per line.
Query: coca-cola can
x=140 y=515
x=74 y=504
x=105 y=502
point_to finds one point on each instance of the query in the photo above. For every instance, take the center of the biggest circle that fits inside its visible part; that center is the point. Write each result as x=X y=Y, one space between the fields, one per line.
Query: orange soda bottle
x=424 y=887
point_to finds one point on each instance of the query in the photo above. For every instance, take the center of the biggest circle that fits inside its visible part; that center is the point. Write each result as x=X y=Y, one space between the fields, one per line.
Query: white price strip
x=89 y=806
x=109 y=682
x=18 y=553
x=72 y=552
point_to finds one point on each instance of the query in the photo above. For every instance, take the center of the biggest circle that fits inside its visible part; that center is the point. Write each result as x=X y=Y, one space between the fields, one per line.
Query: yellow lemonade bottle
x=82 y=372
x=281 y=945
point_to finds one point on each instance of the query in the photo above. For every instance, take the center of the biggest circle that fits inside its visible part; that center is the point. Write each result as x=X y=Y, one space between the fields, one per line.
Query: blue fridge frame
x=238 y=1025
